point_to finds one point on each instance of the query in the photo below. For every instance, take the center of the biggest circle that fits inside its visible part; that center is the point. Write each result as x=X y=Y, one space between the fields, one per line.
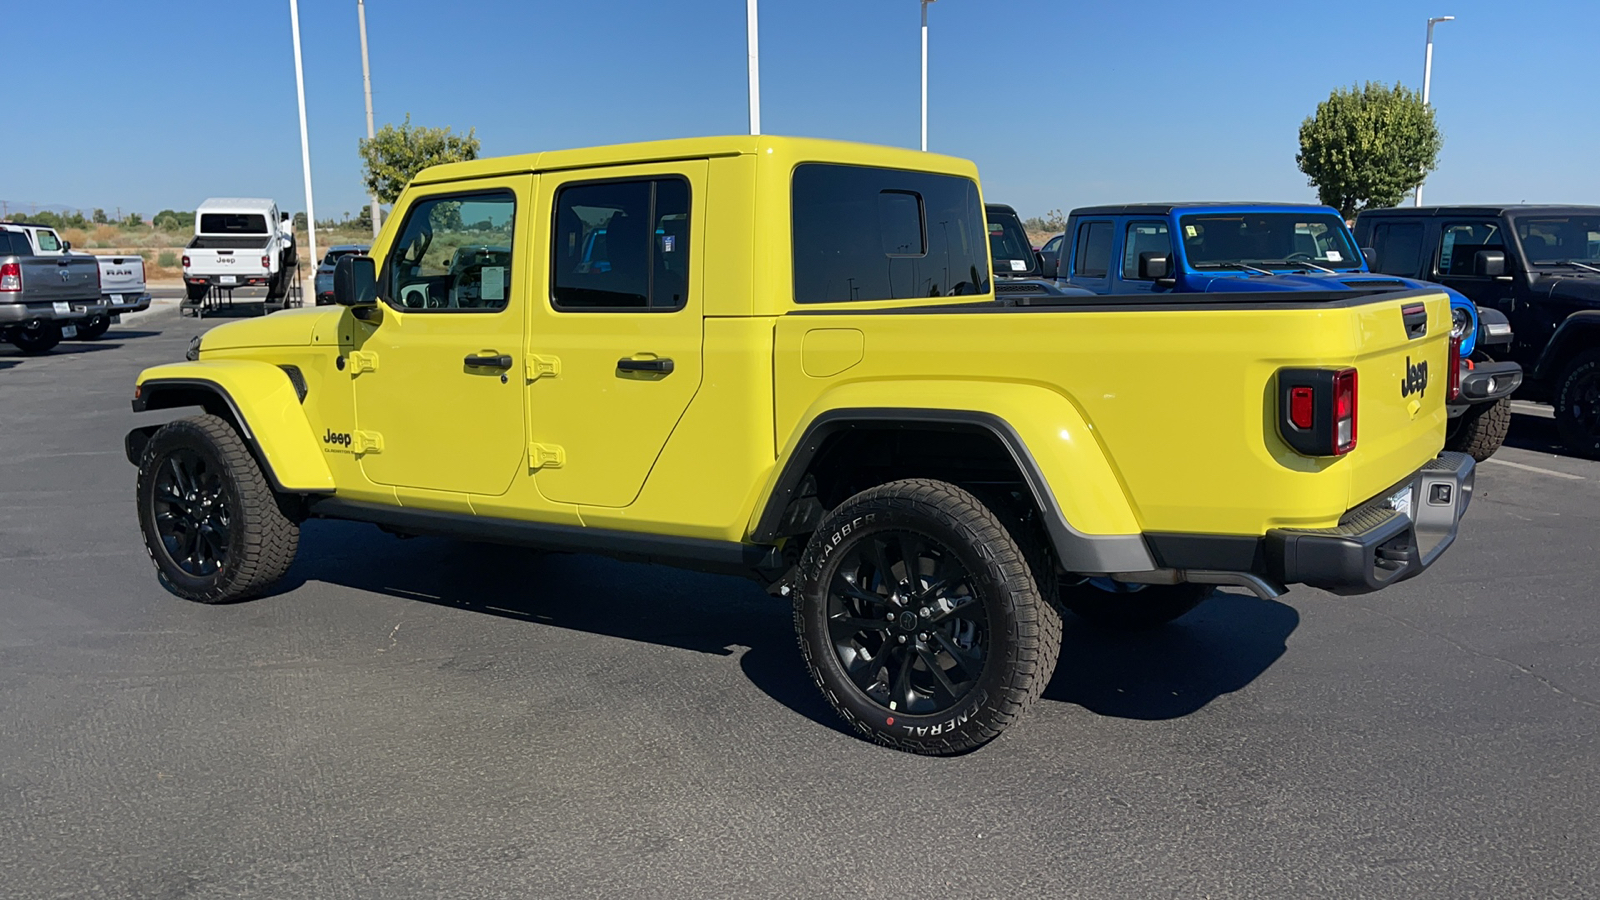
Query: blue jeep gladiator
x=1239 y=247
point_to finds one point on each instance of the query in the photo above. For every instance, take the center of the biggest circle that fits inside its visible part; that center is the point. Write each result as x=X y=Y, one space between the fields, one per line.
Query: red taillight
x=186 y=260
x=1300 y=408
x=1455 y=370
x=10 y=278
x=1344 y=411
x=266 y=262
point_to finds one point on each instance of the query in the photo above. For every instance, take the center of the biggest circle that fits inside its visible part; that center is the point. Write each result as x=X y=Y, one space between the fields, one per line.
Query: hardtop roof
x=236 y=204
x=1167 y=209
x=1493 y=210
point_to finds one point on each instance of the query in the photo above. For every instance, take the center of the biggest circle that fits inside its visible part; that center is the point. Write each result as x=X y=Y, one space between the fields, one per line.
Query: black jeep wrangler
x=1540 y=265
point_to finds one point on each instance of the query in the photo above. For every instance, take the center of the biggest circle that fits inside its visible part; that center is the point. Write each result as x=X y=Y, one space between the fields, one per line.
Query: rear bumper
x=253 y=279
x=28 y=314
x=117 y=304
x=1377 y=544
x=1486 y=383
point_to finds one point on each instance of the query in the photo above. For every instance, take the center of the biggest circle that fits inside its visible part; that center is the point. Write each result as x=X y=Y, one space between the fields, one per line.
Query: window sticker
x=1335 y=256
x=1019 y=265
x=668 y=241
x=1189 y=231
x=494 y=283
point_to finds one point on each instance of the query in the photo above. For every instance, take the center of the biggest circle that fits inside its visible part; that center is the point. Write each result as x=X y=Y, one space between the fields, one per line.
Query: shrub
x=167 y=260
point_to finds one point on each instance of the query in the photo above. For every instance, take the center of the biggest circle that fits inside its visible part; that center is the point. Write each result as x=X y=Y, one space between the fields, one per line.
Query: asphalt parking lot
x=433 y=718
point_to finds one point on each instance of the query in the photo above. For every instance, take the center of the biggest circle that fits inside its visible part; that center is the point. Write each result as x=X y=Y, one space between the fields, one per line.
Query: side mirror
x=1370 y=255
x=66 y=246
x=1050 y=265
x=283 y=217
x=1154 y=265
x=1489 y=263
x=355 y=281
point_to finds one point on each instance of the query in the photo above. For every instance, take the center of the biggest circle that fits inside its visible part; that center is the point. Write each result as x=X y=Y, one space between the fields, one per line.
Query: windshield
x=1227 y=240
x=1555 y=239
x=1008 y=245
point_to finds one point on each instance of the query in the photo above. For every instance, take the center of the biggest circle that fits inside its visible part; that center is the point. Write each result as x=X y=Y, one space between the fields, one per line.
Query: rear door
x=1090 y=254
x=615 y=339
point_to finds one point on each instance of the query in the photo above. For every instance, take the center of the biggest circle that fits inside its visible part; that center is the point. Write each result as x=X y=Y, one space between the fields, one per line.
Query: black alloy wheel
x=37 y=340
x=212 y=524
x=1577 y=405
x=95 y=328
x=920 y=618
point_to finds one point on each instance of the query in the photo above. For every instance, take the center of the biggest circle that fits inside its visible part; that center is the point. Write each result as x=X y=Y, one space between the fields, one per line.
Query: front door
x=438 y=377
x=616 y=331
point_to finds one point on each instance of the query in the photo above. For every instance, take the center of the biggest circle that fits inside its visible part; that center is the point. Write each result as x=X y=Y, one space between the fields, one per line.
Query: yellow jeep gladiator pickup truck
x=785 y=358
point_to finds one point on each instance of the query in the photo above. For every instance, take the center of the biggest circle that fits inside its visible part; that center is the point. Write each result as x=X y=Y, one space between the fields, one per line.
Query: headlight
x=1460 y=322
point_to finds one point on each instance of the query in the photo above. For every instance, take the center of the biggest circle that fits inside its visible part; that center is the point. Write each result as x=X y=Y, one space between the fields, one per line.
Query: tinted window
x=1397 y=247
x=232 y=223
x=621 y=245
x=1008 y=245
x=1550 y=239
x=13 y=244
x=47 y=241
x=1093 y=257
x=1461 y=241
x=851 y=223
x=454 y=253
x=1144 y=237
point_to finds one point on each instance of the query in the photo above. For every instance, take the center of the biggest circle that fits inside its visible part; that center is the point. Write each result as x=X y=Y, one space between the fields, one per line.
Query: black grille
x=1019 y=287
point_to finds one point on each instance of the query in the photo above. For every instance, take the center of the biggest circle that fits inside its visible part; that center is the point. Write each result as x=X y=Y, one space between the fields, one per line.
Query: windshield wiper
x=1581 y=265
x=1232 y=265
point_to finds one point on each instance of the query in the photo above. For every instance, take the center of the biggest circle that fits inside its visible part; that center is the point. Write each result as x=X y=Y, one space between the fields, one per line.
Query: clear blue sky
x=1061 y=103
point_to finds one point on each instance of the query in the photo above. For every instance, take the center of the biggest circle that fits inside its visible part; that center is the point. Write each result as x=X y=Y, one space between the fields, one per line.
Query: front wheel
x=919 y=618
x=1480 y=430
x=212 y=524
x=40 y=339
x=1578 y=405
x=1134 y=609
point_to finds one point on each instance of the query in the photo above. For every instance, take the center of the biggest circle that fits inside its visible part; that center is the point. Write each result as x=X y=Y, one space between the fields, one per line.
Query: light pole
x=1427 y=81
x=925 y=74
x=366 y=81
x=305 y=141
x=753 y=53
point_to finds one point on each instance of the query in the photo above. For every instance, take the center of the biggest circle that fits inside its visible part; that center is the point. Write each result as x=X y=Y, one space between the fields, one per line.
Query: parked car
x=803 y=375
x=1276 y=248
x=122 y=288
x=44 y=298
x=1539 y=265
x=240 y=242
x=324 y=282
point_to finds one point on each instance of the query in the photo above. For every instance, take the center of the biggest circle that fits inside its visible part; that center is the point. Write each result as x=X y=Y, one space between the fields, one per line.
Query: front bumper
x=116 y=304
x=1487 y=382
x=1382 y=541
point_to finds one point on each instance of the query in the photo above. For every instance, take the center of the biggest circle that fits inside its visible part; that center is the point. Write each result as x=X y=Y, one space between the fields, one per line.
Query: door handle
x=489 y=362
x=658 y=366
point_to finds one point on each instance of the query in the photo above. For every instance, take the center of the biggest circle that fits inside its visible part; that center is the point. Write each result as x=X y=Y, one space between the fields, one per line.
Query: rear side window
x=621 y=246
x=1093 y=256
x=232 y=223
x=1144 y=237
x=1397 y=248
x=863 y=233
x=13 y=244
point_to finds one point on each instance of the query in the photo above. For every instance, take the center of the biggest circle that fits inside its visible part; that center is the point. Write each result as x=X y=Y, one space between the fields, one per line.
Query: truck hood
x=289 y=328
x=1341 y=281
x=1584 y=289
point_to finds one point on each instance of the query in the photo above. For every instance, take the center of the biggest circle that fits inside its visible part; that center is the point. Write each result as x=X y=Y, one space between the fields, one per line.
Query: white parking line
x=1506 y=462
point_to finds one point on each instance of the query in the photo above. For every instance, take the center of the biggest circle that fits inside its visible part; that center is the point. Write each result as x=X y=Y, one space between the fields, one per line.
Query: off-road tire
x=1022 y=632
x=96 y=329
x=261 y=538
x=37 y=341
x=1575 y=401
x=1481 y=429
x=1153 y=606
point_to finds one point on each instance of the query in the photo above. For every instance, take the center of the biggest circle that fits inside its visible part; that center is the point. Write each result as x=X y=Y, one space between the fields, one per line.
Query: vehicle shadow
x=1172 y=671
x=660 y=605
x=124 y=334
x=1535 y=432
x=65 y=348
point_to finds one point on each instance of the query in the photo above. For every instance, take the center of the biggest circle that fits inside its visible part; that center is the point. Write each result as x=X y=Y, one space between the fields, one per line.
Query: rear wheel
x=1133 y=609
x=95 y=328
x=196 y=292
x=1480 y=430
x=213 y=526
x=1577 y=404
x=42 y=338
x=920 y=620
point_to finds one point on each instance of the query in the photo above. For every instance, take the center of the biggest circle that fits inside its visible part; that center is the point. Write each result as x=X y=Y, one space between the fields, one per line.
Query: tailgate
x=58 y=278
x=225 y=262
x=1404 y=378
x=121 y=274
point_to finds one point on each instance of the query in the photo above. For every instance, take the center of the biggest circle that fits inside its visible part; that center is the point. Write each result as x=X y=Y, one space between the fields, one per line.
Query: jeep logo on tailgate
x=1416 y=380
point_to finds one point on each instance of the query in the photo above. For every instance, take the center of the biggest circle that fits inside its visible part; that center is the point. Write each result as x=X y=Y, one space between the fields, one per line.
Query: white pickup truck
x=122 y=288
x=239 y=242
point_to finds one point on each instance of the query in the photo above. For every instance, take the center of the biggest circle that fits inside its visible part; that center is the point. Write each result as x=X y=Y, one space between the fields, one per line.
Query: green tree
x=172 y=220
x=100 y=217
x=394 y=155
x=134 y=220
x=1366 y=147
